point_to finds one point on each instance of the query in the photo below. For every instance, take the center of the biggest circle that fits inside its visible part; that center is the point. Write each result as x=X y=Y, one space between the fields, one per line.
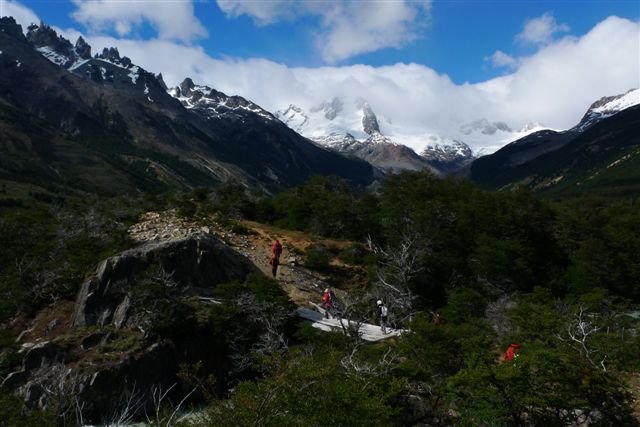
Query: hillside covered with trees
x=561 y=279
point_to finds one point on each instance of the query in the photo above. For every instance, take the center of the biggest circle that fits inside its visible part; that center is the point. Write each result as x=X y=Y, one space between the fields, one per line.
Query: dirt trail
x=301 y=284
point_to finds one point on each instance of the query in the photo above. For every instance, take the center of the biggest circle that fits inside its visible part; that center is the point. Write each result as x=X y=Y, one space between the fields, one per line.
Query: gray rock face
x=37 y=360
x=369 y=120
x=485 y=127
x=42 y=355
x=196 y=263
x=10 y=26
x=186 y=86
x=110 y=54
x=331 y=108
x=43 y=35
x=83 y=49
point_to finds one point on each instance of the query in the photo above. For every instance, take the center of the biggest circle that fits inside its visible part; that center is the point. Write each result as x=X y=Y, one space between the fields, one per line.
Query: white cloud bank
x=173 y=20
x=347 y=28
x=553 y=86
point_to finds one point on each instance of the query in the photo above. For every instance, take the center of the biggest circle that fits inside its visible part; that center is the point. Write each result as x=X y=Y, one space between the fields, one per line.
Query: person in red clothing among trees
x=276 y=251
x=511 y=355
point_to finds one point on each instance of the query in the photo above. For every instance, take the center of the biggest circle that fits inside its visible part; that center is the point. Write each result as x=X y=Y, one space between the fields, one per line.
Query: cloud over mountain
x=346 y=28
x=173 y=20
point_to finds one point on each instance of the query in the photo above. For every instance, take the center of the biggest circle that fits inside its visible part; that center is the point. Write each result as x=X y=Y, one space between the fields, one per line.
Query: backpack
x=383 y=311
x=332 y=297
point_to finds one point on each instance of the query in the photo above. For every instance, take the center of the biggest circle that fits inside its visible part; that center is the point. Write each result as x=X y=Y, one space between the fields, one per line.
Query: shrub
x=317 y=256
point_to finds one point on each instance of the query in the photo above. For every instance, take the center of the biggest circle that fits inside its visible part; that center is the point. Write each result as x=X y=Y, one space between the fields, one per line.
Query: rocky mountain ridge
x=599 y=152
x=371 y=144
x=122 y=116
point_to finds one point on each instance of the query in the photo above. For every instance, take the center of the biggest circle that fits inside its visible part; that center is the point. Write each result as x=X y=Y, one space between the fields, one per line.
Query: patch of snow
x=146 y=92
x=53 y=56
x=78 y=64
x=133 y=74
x=607 y=107
x=620 y=103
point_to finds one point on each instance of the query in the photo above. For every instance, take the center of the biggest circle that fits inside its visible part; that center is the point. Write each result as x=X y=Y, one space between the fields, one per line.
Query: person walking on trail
x=276 y=251
x=274 y=262
x=383 y=313
x=327 y=302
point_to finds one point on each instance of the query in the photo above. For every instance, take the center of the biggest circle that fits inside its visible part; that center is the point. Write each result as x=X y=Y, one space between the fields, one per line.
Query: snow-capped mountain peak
x=214 y=104
x=107 y=67
x=608 y=106
x=58 y=49
x=294 y=117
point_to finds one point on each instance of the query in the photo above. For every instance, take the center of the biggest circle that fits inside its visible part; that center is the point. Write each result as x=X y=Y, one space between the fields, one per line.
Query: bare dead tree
x=164 y=412
x=355 y=310
x=399 y=265
x=61 y=386
x=382 y=367
x=164 y=278
x=579 y=332
x=268 y=319
x=130 y=406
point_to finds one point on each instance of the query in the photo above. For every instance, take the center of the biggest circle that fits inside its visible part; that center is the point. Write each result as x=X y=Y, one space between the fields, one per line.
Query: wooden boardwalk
x=367 y=331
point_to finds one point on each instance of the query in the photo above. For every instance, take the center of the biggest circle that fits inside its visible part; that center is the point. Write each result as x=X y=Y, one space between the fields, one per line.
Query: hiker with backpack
x=383 y=313
x=327 y=302
x=276 y=251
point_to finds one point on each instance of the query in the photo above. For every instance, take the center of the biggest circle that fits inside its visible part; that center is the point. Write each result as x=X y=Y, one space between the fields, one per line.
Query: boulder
x=42 y=355
x=196 y=264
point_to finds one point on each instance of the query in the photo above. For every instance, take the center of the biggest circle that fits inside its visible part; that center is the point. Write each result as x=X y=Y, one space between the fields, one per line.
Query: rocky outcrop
x=103 y=364
x=369 y=120
x=83 y=49
x=195 y=263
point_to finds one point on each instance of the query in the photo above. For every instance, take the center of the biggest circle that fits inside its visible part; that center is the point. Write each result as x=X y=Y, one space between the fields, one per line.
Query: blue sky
x=452 y=37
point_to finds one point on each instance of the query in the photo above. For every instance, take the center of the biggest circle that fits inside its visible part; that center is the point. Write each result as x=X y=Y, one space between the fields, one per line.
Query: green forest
x=561 y=278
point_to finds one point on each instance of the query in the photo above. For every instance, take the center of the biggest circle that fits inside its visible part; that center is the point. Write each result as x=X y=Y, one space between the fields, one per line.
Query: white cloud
x=554 y=86
x=22 y=14
x=540 y=31
x=499 y=59
x=347 y=28
x=173 y=20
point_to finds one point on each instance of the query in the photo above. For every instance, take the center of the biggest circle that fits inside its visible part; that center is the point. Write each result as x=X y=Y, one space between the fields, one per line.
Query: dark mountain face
x=122 y=115
x=449 y=159
x=603 y=158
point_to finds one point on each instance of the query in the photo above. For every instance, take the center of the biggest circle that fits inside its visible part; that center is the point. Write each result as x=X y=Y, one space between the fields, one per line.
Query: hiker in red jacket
x=511 y=354
x=276 y=250
x=327 y=302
